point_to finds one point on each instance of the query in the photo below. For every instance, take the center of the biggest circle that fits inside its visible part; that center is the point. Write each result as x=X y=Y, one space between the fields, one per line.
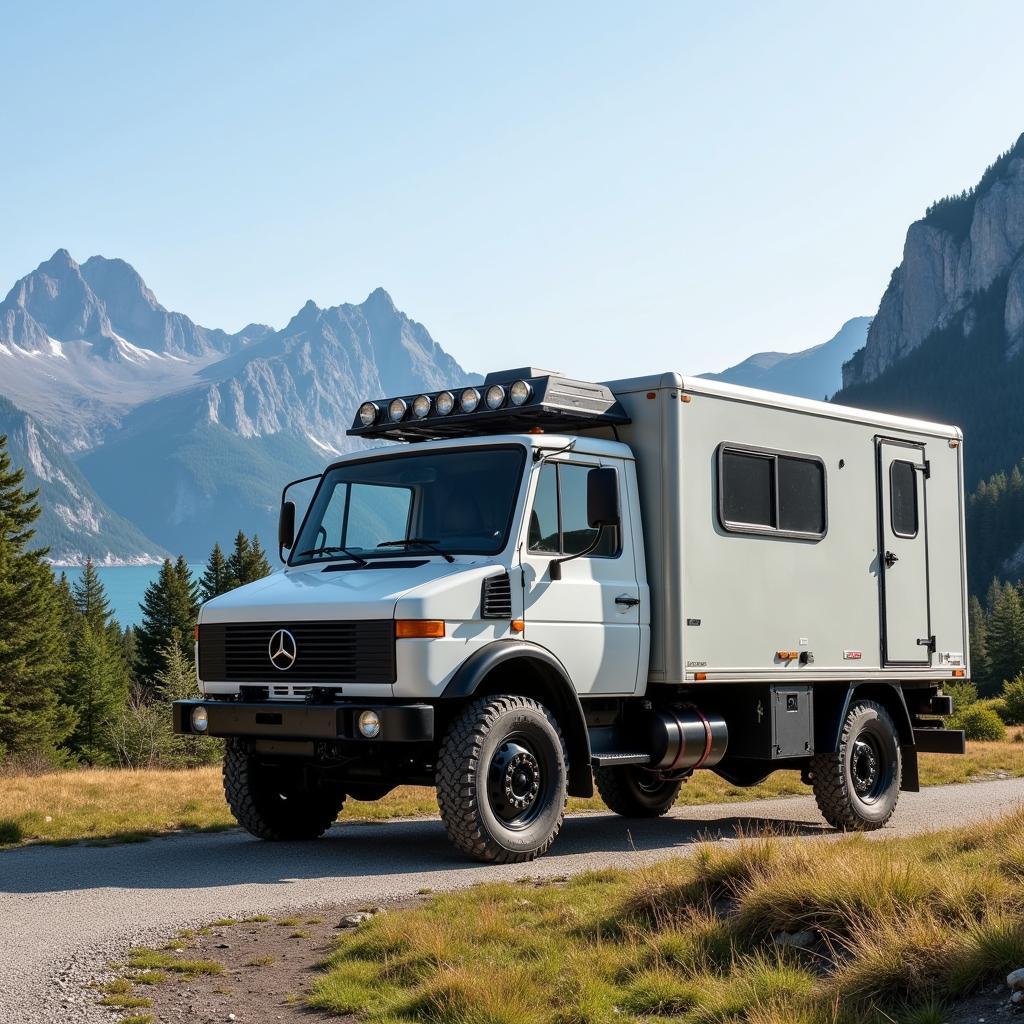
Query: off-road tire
x=835 y=779
x=633 y=792
x=470 y=763
x=271 y=802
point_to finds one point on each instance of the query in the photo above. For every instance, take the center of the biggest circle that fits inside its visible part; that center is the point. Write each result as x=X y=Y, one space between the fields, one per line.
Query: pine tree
x=91 y=598
x=981 y=665
x=169 y=609
x=32 y=640
x=217 y=577
x=237 y=560
x=247 y=561
x=1006 y=635
x=97 y=687
x=257 y=566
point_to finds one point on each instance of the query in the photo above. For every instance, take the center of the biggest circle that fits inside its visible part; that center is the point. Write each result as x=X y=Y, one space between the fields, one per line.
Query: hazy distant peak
x=379 y=299
x=119 y=282
x=813 y=373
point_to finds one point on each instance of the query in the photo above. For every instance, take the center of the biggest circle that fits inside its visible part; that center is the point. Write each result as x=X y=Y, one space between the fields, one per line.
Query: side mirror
x=602 y=497
x=286 y=525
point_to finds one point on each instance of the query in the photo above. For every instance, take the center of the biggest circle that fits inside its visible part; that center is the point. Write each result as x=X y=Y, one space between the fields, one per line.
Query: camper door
x=903 y=553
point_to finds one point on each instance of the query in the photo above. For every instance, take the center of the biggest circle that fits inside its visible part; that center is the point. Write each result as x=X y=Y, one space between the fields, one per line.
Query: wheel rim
x=866 y=769
x=516 y=783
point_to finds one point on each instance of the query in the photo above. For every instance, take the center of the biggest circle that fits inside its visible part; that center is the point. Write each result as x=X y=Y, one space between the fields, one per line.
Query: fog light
x=421 y=406
x=469 y=400
x=444 y=403
x=397 y=409
x=368 y=414
x=520 y=392
x=200 y=720
x=369 y=724
x=495 y=397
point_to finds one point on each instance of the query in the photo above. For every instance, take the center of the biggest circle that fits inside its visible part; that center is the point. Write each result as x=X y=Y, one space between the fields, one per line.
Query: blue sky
x=604 y=189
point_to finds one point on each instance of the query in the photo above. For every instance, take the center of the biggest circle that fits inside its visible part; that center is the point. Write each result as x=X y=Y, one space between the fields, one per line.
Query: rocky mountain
x=960 y=249
x=187 y=431
x=75 y=523
x=947 y=344
x=813 y=373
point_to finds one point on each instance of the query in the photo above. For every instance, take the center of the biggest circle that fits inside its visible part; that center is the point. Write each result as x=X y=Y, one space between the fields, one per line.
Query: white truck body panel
x=754 y=595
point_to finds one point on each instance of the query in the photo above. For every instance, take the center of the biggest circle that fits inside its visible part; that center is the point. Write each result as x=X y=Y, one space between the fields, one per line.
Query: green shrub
x=1013 y=696
x=979 y=723
x=998 y=705
x=963 y=694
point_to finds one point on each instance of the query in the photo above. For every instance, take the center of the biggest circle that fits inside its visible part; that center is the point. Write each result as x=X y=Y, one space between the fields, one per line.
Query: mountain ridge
x=124 y=385
x=815 y=372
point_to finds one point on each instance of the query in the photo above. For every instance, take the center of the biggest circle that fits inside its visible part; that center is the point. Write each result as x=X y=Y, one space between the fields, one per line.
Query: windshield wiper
x=422 y=542
x=337 y=549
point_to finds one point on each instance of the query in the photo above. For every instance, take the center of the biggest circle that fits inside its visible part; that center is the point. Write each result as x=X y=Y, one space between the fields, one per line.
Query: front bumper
x=399 y=723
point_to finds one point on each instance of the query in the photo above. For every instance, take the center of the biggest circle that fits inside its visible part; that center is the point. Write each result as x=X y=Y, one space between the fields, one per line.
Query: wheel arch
x=832 y=704
x=520 y=667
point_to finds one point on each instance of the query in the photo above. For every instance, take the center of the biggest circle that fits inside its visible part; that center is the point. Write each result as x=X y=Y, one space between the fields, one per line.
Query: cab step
x=619 y=757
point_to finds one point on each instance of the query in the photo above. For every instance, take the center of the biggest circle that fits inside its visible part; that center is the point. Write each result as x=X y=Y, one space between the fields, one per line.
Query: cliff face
x=957 y=250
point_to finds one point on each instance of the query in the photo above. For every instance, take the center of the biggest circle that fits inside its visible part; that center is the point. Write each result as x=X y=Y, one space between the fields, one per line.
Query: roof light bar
x=509 y=401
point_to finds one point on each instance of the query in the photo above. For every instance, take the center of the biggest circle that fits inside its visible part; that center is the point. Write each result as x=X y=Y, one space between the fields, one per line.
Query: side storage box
x=771 y=722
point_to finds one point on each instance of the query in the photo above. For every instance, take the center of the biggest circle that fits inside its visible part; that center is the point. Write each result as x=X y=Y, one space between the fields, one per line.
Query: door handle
x=627 y=600
x=890 y=559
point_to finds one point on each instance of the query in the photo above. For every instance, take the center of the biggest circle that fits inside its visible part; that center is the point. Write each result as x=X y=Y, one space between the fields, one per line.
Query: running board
x=611 y=759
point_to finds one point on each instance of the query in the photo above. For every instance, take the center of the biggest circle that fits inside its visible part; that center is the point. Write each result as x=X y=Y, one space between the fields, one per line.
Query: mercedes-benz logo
x=282 y=650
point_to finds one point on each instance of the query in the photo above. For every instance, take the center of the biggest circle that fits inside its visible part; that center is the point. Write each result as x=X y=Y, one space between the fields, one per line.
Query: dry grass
x=899 y=929
x=112 y=805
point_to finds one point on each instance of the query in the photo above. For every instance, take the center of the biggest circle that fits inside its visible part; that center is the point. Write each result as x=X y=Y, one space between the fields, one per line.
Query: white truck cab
x=544 y=581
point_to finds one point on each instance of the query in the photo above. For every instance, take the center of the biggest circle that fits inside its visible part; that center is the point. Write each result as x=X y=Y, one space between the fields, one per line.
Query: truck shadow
x=397 y=857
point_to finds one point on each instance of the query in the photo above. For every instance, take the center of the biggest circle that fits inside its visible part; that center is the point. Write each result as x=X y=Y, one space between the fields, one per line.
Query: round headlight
x=369 y=724
x=444 y=403
x=495 y=397
x=421 y=406
x=469 y=399
x=520 y=392
x=200 y=720
x=397 y=409
x=368 y=414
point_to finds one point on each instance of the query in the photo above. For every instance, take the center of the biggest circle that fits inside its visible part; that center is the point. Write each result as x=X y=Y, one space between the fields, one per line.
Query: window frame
x=892 y=505
x=412 y=452
x=773 y=455
x=560 y=553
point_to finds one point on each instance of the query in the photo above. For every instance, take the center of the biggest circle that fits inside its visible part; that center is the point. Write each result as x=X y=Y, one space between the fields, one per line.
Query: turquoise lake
x=125 y=586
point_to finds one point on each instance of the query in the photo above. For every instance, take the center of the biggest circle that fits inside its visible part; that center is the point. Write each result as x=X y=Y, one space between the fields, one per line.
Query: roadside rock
x=799 y=940
x=354 y=920
x=1015 y=980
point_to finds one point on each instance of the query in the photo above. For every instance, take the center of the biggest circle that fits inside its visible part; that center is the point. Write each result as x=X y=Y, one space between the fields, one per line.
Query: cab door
x=590 y=618
x=903 y=553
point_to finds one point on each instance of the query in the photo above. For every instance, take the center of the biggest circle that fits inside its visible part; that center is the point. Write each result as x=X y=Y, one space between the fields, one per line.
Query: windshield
x=457 y=502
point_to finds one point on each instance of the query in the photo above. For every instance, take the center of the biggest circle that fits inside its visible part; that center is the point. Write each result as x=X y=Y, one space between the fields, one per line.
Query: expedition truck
x=540 y=584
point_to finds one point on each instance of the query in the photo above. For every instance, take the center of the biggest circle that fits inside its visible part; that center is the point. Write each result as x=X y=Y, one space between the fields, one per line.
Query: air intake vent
x=496 y=597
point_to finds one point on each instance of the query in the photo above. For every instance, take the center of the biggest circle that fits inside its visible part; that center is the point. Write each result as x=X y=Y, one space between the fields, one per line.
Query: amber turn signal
x=959 y=673
x=787 y=655
x=406 y=629
x=518 y=625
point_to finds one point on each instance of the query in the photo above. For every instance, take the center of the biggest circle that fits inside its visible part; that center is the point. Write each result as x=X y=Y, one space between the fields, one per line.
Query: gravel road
x=64 y=911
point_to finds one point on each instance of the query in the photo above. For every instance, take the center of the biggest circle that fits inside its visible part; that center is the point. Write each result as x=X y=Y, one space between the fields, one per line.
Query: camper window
x=903 y=491
x=772 y=493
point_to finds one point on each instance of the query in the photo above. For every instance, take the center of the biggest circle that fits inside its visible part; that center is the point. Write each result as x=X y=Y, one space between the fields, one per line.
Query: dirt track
x=65 y=910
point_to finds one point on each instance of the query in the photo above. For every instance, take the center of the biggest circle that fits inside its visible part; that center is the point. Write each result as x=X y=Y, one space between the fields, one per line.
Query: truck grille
x=324 y=652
